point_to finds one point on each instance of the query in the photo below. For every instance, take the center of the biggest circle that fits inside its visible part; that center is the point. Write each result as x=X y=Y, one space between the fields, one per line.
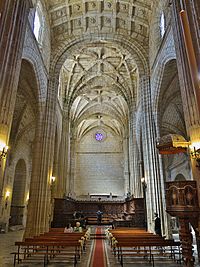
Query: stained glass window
x=162 y=24
x=99 y=136
x=37 y=25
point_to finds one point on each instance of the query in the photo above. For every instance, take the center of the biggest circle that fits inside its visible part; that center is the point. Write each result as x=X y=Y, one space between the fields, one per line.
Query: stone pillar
x=39 y=208
x=13 y=21
x=72 y=166
x=187 y=83
x=191 y=108
x=135 y=183
x=131 y=153
x=62 y=184
x=155 y=194
x=126 y=164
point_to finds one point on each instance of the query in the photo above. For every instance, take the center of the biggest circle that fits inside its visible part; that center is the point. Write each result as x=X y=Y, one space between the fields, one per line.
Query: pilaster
x=155 y=195
x=39 y=210
x=72 y=165
x=135 y=182
x=191 y=109
x=126 y=164
x=13 y=20
x=63 y=170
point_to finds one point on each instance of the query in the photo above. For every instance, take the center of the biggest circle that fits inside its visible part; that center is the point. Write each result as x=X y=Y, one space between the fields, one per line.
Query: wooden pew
x=47 y=250
x=150 y=250
x=137 y=243
x=54 y=243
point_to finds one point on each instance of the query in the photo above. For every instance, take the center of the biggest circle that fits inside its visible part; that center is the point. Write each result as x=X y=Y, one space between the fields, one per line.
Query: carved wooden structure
x=182 y=202
x=125 y=213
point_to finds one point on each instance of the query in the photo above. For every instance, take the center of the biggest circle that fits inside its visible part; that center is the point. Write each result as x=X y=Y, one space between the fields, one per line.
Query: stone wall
x=99 y=165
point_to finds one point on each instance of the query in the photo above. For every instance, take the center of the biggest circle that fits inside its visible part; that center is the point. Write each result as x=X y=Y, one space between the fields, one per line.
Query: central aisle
x=99 y=255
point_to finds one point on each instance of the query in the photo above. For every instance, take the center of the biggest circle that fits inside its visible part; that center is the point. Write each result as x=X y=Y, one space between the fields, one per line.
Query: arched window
x=162 y=24
x=38 y=24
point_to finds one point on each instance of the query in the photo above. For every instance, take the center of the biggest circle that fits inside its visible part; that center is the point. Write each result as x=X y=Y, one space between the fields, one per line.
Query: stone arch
x=158 y=77
x=160 y=74
x=139 y=54
x=96 y=110
x=180 y=177
x=28 y=70
x=32 y=55
x=17 y=211
x=155 y=29
x=27 y=105
x=170 y=91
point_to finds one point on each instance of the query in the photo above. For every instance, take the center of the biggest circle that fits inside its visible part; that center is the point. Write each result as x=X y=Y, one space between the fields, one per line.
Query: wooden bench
x=138 y=243
x=46 y=249
x=52 y=244
x=148 y=249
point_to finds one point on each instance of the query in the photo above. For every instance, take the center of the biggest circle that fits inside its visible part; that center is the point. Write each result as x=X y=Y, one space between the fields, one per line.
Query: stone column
x=39 y=208
x=191 y=108
x=62 y=186
x=135 y=183
x=131 y=153
x=155 y=194
x=126 y=164
x=72 y=165
x=187 y=82
x=13 y=21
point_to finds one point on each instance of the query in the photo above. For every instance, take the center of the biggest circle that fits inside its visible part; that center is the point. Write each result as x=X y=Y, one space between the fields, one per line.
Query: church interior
x=100 y=124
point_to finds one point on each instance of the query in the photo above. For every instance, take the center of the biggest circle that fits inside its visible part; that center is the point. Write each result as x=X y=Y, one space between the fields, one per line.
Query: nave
x=98 y=252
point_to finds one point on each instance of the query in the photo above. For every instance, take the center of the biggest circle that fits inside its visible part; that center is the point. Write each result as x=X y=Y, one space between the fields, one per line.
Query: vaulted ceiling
x=98 y=84
x=98 y=81
x=75 y=17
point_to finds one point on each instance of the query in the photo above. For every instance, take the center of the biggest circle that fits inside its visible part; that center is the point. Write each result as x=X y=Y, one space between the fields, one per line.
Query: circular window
x=99 y=136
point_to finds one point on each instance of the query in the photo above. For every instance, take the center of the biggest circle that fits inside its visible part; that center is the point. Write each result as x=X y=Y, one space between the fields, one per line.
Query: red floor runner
x=98 y=258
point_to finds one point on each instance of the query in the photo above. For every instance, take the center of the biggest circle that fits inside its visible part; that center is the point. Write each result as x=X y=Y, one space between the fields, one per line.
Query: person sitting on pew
x=78 y=228
x=68 y=228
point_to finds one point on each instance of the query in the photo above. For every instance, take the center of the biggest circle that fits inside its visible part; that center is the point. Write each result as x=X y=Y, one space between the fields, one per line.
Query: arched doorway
x=18 y=206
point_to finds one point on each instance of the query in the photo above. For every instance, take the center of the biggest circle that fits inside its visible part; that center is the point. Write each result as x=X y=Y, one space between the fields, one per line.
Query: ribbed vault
x=102 y=47
x=97 y=84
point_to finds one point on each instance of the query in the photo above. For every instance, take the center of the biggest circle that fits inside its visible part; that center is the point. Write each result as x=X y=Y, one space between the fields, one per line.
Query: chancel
x=99 y=112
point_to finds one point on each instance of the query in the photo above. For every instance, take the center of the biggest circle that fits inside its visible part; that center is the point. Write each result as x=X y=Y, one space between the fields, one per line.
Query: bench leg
x=152 y=260
x=45 y=260
x=18 y=250
x=14 y=259
x=75 y=260
x=121 y=260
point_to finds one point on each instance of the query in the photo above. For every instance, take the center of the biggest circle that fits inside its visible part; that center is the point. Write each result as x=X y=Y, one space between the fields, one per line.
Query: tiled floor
x=7 y=246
